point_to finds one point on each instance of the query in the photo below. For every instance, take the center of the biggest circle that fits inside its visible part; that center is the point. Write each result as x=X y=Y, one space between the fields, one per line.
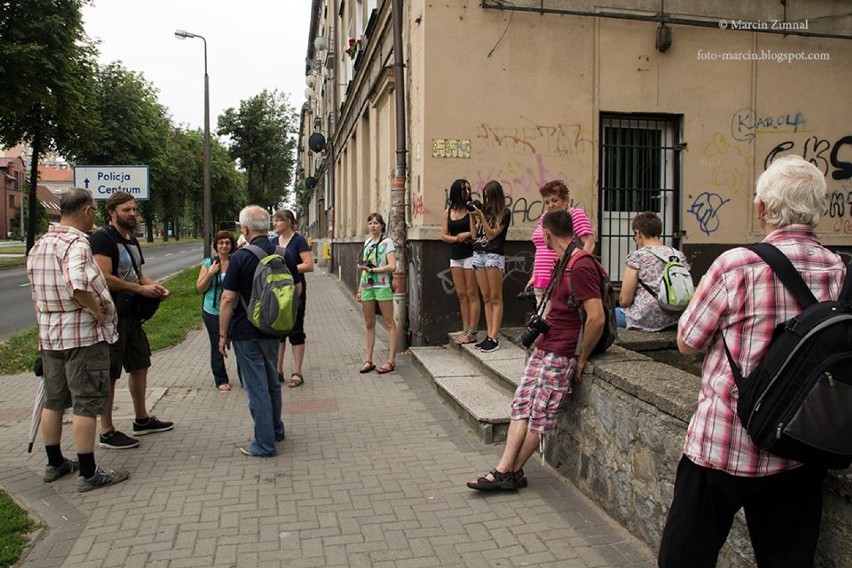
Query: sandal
x=386 y=368
x=224 y=387
x=368 y=366
x=500 y=481
x=297 y=382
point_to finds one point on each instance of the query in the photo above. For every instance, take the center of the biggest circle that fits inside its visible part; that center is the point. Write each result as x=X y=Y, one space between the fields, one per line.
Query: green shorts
x=378 y=294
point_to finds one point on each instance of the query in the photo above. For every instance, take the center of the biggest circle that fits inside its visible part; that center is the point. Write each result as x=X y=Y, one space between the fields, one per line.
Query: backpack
x=675 y=288
x=797 y=402
x=273 y=303
x=129 y=304
x=610 y=329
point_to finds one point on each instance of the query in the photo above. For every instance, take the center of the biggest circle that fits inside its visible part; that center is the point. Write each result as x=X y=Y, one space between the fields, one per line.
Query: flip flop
x=299 y=381
x=368 y=366
x=224 y=387
x=386 y=368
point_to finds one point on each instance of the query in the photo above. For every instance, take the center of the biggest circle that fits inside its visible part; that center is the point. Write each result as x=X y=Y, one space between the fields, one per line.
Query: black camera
x=473 y=204
x=367 y=264
x=535 y=327
x=527 y=295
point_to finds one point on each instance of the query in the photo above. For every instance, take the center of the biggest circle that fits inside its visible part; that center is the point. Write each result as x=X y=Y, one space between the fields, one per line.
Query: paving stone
x=371 y=474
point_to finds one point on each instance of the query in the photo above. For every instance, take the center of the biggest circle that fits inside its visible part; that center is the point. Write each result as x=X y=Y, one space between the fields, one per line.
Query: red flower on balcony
x=355 y=46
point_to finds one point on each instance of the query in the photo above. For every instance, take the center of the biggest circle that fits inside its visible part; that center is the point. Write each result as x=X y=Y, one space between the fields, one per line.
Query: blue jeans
x=257 y=360
x=217 y=363
x=620 y=317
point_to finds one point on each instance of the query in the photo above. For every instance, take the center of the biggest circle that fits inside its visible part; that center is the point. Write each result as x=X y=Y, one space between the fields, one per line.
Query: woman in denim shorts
x=489 y=222
x=456 y=233
x=376 y=264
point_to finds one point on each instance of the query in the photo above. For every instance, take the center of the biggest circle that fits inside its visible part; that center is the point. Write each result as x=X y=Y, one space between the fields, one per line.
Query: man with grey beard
x=119 y=256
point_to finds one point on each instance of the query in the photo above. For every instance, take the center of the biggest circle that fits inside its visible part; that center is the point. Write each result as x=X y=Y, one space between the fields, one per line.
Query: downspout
x=398 y=224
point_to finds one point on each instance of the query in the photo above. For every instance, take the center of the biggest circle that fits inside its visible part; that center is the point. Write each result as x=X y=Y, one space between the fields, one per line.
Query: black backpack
x=797 y=403
x=610 y=329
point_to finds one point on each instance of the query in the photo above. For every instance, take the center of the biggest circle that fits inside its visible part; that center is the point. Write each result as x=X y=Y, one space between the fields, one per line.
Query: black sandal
x=297 y=382
x=501 y=482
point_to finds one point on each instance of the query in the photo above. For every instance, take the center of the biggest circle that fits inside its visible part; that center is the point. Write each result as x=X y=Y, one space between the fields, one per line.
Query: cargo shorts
x=77 y=378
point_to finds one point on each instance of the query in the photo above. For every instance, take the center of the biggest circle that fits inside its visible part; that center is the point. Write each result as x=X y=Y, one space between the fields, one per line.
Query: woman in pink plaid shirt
x=722 y=471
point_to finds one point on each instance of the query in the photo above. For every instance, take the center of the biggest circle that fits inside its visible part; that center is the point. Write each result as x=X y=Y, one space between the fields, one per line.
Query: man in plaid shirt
x=76 y=322
x=742 y=300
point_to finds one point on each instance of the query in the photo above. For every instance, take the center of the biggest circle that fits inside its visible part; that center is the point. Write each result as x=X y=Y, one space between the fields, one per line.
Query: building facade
x=636 y=109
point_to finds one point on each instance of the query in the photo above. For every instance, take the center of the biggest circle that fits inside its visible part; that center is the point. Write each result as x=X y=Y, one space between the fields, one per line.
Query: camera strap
x=555 y=277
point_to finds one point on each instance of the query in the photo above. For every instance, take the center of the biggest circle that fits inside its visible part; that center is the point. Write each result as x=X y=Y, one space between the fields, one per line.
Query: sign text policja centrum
x=103 y=181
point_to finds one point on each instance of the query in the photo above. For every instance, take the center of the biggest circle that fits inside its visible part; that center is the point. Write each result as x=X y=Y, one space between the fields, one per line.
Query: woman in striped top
x=555 y=195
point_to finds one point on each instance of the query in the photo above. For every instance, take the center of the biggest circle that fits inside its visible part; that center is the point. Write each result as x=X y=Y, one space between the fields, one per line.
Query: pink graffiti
x=517 y=178
x=558 y=140
x=418 y=207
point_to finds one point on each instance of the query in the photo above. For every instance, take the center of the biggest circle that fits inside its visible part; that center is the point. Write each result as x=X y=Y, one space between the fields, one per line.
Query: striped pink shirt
x=741 y=297
x=546 y=258
x=60 y=263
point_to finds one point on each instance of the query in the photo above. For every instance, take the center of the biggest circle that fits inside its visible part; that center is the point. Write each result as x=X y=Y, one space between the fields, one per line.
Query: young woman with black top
x=489 y=224
x=456 y=232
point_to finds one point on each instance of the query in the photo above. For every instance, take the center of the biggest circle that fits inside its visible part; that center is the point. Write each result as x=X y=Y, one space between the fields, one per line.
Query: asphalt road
x=18 y=313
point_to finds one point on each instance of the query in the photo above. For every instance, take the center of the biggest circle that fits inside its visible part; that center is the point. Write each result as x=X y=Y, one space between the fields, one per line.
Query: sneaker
x=481 y=343
x=153 y=425
x=102 y=478
x=490 y=345
x=116 y=440
x=51 y=473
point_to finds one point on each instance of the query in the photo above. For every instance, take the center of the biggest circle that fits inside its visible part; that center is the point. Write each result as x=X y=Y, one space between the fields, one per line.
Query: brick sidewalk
x=372 y=473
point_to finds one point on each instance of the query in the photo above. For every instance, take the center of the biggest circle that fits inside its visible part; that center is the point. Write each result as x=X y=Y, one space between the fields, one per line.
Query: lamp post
x=207 y=215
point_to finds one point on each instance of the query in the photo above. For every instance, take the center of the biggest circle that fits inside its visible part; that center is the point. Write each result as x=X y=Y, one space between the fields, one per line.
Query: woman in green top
x=209 y=283
x=376 y=264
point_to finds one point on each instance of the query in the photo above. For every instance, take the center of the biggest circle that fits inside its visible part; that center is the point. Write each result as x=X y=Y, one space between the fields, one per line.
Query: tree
x=129 y=127
x=46 y=63
x=262 y=137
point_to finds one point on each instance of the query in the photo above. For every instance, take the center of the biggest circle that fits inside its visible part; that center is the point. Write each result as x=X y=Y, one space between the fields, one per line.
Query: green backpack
x=273 y=303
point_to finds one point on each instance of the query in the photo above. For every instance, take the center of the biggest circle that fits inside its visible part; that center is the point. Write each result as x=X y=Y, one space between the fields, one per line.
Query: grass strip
x=175 y=318
x=14 y=526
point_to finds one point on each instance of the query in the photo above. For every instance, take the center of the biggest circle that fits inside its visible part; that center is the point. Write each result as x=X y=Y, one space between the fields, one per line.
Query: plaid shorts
x=545 y=385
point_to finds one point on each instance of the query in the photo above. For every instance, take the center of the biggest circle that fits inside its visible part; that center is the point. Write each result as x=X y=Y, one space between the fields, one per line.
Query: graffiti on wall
x=418 y=207
x=518 y=178
x=523 y=210
x=706 y=208
x=746 y=123
x=730 y=168
x=833 y=158
x=551 y=140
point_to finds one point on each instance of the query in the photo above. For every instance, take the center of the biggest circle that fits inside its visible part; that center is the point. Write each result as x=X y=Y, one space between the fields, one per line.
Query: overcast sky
x=251 y=45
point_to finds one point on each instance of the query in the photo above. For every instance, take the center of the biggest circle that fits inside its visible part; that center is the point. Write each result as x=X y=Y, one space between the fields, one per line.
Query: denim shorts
x=462 y=262
x=489 y=260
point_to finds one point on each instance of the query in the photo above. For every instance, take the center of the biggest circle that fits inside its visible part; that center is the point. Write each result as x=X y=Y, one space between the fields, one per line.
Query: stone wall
x=620 y=439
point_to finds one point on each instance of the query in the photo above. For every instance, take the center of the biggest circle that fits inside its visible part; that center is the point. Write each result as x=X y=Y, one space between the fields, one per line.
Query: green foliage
x=19 y=352
x=176 y=316
x=14 y=525
x=262 y=137
x=47 y=62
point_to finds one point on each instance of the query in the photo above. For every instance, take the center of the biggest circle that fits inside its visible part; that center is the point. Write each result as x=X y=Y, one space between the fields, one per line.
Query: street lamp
x=207 y=216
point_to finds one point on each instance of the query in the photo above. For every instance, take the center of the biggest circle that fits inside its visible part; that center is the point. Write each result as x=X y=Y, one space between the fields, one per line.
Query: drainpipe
x=398 y=226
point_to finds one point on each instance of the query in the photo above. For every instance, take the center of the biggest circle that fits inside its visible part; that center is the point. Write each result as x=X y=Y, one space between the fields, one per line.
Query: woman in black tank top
x=456 y=233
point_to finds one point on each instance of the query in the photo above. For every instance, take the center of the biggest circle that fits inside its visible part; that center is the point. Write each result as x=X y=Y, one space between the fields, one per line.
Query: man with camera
x=563 y=344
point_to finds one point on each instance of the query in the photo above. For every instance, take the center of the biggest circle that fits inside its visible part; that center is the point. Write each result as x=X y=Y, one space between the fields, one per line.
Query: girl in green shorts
x=376 y=264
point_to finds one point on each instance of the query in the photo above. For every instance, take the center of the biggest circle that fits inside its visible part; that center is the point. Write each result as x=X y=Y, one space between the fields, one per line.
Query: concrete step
x=504 y=366
x=479 y=400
